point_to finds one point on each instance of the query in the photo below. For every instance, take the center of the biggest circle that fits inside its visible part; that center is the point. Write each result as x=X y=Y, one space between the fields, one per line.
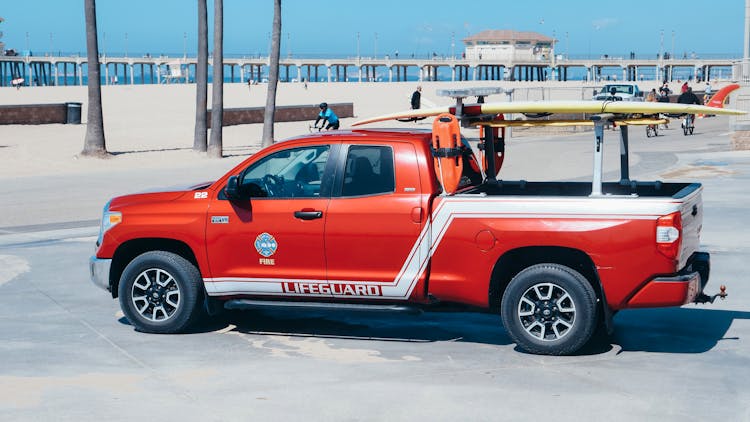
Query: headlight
x=109 y=220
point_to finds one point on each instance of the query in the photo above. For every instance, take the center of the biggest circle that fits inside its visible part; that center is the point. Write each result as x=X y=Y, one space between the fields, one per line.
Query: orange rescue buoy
x=446 y=148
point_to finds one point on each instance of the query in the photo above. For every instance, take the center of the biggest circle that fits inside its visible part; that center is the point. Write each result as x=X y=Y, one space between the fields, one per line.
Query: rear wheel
x=161 y=292
x=549 y=309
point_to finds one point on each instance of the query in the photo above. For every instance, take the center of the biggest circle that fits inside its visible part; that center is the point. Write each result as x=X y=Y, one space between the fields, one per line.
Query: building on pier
x=506 y=45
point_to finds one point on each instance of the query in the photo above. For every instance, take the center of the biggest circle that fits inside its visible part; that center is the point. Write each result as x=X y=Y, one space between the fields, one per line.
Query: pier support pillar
x=132 y=74
x=328 y=71
x=390 y=73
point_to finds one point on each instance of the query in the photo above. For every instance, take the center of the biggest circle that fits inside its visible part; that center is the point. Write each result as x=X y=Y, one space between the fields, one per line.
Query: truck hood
x=166 y=194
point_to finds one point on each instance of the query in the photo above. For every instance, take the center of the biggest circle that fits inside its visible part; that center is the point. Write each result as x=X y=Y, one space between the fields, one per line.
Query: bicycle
x=688 y=124
x=313 y=128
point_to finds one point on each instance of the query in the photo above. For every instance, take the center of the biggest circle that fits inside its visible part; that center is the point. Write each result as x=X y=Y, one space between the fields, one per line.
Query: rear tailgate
x=691 y=212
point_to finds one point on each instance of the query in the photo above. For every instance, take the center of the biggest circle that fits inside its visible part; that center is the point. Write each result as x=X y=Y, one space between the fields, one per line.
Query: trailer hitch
x=704 y=298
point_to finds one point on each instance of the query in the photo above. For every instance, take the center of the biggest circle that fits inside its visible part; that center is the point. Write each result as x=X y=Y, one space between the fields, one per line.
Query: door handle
x=308 y=215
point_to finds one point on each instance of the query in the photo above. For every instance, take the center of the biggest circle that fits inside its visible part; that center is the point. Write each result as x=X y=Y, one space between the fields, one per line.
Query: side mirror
x=232 y=190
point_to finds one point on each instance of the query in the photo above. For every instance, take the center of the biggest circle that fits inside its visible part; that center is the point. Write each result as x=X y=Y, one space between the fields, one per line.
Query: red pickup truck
x=358 y=220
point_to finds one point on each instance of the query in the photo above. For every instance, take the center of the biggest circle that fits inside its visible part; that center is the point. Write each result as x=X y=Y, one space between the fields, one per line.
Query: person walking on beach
x=651 y=97
x=416 y=98
x=327 y=115
x=707 y=93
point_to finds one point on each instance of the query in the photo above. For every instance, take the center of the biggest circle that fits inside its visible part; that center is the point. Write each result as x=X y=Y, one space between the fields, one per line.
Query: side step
x=355 y=307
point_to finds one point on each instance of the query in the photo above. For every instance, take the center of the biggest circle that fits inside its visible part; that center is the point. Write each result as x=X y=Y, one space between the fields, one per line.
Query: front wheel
x=161 y=292
x=549 y=309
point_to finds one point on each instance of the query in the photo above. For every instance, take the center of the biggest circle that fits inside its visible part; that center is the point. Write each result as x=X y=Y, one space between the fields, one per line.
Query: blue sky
x=419 y=27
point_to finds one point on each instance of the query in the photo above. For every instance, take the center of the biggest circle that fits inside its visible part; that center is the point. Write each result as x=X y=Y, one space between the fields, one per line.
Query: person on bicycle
x=328 y=116
x=688 y=97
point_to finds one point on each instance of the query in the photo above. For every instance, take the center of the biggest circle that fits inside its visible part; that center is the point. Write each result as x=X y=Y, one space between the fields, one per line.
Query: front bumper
x=678 y=289
x=99 y=270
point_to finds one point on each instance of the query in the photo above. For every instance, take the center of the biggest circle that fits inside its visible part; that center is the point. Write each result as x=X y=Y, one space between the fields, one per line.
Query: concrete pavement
x=66 y=352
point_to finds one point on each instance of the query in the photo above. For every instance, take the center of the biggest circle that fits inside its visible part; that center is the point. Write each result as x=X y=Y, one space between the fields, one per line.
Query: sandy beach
x=151 y=126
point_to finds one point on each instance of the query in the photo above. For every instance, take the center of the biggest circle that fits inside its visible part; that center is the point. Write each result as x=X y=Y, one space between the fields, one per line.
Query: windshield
x=619 y=89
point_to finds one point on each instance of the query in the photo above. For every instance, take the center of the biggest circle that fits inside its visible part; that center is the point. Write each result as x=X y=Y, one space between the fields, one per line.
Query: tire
x=549 y=309
x=168 y=306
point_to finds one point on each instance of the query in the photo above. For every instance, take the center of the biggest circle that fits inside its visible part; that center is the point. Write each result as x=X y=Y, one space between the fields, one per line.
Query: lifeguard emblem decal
x=266 y=245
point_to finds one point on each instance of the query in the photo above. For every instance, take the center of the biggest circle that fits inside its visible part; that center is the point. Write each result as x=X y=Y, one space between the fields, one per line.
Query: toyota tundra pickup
x=357 y=219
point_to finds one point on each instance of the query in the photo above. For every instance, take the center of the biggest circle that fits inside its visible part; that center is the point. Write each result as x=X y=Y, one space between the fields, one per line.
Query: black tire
x=536 y=310
x=169 y=306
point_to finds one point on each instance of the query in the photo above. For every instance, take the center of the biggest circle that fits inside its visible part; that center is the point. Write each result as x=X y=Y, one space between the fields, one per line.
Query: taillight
x=669 y=235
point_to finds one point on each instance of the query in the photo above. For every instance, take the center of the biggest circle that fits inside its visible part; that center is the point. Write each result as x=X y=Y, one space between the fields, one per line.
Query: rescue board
x=446 y=148
x=553 y=107
x=566 y=123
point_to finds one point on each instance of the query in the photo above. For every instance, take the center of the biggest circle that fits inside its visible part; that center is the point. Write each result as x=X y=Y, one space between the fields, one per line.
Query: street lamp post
x=27 y=41
x=357 y=45
x=453 y=45
x=672 y=54
x=51 y=45
x=567 y=46
x=288 y=45
x=126 y=44
x=184 y=45
x=376 y=46
x=661 y=43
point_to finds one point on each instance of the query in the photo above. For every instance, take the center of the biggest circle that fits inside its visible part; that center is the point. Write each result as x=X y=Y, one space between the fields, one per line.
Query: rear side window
x=369 y=171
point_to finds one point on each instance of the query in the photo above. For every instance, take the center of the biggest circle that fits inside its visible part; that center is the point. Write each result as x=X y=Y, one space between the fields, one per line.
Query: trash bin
x=73 y=114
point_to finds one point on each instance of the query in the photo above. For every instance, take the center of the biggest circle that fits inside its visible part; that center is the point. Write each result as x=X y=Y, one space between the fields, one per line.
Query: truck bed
x=632 y=188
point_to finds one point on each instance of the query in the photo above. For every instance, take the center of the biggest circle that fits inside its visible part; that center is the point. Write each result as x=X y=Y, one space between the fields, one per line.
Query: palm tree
x=217 y=105
x=94 y=144
x=200 y=140
x=273 y=75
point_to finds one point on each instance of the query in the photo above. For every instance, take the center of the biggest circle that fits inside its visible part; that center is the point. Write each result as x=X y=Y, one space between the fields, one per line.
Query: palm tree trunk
x=217 y=105
x=200 y=140
x=273 y=75
x=94 y=144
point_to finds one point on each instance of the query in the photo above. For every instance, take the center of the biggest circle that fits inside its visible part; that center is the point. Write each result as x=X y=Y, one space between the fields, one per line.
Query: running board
x=356 y=307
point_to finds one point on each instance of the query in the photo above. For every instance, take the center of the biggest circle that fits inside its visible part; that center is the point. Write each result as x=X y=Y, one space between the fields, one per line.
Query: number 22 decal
x=200 y=195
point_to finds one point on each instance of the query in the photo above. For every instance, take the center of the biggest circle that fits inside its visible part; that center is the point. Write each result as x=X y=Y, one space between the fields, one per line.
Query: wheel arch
x=127 y=251
x=514 y=261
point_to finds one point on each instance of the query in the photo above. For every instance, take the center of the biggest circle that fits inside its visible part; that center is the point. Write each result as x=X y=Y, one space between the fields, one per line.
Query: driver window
x=291 y=173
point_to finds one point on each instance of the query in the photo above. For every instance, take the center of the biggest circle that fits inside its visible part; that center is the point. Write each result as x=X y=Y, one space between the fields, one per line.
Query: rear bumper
x=99 y=271
x=675 y=290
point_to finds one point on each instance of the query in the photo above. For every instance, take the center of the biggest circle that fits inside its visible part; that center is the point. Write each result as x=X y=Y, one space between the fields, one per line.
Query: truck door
x=374 y=242
x=256 y=246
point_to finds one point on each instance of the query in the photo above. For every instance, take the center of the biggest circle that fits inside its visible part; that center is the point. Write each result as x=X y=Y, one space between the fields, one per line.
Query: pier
x=72 y=70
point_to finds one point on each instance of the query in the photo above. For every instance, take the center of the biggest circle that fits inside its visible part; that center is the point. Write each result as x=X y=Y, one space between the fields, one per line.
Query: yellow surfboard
x=552 y=107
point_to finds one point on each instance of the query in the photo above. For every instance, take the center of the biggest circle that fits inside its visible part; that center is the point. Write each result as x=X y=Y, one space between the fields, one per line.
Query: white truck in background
x=619 y=92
